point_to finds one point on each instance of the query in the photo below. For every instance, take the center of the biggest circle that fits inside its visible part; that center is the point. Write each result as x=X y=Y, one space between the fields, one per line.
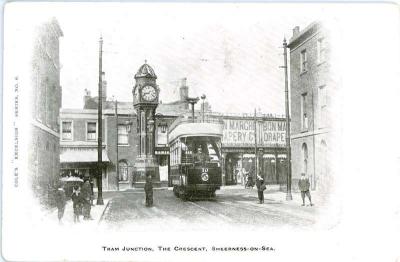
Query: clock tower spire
x=145 y=101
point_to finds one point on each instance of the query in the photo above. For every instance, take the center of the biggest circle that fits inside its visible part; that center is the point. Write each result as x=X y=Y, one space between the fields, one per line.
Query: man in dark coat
x=86 y=195
x=77 y=201
x=260 y=189
x=60 y=202
x=304 y=186
x=148 y=189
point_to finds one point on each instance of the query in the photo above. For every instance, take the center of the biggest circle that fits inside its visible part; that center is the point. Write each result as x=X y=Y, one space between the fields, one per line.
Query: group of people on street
x=81 y=201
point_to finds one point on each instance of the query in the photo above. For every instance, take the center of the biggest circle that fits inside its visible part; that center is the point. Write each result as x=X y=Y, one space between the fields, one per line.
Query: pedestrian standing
x=304 y=186
x=76 y=203
x=91 y=191
x=148 y=189
x=60 y=202
x=86 y=196
x=260 y=189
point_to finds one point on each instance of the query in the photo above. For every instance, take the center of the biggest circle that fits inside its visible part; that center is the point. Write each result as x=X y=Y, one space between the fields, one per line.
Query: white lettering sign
x=239 y=132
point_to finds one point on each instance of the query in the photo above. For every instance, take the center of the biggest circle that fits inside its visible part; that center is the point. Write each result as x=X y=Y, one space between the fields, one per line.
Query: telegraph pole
x=255 y=142
x=116 y=128
x=288 y=156
x=100 y=128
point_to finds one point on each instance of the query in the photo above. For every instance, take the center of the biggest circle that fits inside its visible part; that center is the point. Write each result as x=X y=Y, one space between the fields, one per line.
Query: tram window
x=199 y=149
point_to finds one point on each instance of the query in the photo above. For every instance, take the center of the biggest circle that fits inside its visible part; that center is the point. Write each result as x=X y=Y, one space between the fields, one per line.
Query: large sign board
x=240 y=133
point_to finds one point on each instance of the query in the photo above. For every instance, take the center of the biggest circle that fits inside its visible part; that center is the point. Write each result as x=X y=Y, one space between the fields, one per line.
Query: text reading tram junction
x=118 y=145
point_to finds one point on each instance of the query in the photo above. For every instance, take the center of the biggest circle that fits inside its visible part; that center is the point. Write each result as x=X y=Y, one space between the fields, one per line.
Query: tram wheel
x=182 y=194
x=213 y=194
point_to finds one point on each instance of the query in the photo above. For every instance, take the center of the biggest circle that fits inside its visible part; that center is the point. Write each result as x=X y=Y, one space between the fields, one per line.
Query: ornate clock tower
x=145 y=101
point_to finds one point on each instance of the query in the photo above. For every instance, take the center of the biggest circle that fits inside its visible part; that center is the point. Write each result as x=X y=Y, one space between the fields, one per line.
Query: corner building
x=44 y=163
x=311 y=89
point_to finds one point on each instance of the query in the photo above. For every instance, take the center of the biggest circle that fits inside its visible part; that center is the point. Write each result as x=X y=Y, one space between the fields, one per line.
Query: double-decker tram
x=195 y=157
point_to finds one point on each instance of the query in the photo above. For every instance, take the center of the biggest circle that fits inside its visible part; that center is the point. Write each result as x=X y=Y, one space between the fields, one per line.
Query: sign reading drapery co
x=240 y=132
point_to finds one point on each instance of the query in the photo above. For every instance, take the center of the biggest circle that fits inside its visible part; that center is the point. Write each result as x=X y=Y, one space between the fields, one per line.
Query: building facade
x=121 y=141
x=239 y=147
x=311 y=90
x=44 y=163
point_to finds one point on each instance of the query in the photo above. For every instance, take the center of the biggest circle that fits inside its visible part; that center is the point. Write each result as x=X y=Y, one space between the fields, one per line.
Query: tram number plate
x=204 y=170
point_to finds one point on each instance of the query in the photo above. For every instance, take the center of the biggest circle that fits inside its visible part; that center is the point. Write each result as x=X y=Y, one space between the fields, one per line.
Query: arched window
x=123 y=170
x=304 y=150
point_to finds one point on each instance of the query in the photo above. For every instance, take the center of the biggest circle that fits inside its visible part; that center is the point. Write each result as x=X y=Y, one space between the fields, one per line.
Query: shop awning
x=81 y=155
x=71 y=179
x=269 y=156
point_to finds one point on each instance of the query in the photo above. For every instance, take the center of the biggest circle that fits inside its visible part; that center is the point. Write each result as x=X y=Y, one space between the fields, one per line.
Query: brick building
x=311 y=88
x=44 y=163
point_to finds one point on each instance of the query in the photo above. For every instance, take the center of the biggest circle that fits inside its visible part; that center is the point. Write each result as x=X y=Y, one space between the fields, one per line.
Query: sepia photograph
x=198 y=131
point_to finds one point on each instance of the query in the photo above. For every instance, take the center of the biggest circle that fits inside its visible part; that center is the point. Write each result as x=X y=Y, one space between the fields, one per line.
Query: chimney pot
x=183 y=82
x=296 y=31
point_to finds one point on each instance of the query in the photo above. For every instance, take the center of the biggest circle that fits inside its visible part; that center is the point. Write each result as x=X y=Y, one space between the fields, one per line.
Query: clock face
x=149 y=93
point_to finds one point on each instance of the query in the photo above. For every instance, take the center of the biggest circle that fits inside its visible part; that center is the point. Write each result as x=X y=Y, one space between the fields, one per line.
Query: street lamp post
x=203 y=97
x=99 y=139
x=116 y=144
x=255 y=142
x=288 y=160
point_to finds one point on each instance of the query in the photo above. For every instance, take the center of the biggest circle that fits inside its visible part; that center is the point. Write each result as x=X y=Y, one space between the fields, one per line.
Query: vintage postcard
x=200 y=131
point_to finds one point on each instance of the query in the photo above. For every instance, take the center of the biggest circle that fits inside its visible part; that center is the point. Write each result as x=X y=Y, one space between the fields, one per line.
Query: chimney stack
x=296 y=31
x=183 y=81
x=86 y=97
x=183 y=90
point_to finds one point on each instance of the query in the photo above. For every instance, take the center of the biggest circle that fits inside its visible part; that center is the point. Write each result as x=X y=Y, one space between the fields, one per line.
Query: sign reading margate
x=240 y=132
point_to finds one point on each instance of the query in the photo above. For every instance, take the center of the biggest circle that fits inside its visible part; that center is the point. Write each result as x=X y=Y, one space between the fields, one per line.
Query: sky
x=229 y=52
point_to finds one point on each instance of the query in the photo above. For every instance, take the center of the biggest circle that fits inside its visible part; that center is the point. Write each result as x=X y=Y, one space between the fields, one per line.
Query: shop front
x=271 y=165
x=82 y=163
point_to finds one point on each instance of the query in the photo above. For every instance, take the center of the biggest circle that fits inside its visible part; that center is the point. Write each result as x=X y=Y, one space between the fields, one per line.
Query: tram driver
x=201 y=154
